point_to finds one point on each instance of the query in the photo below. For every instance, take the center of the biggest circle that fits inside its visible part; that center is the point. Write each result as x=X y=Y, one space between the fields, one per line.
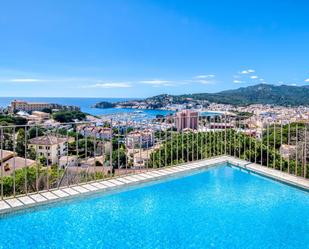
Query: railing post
x=305 y=169
x=14 y=162
x=165 y=148
x=111 y=150
x=239 y=135
x=197 y=137
x=171 y=145
x=182 y=141
x=58 y=158
x=126 y=147
x=95 y=152
x=274 y=156
x=281 y=142
x=255 y=149
x=160 y=142
x=36 y=161
x=267 y=162
x=1 y=161
x=225 y=149
x=235 y=136
x=86 y=152
x=177 y=145
x=296 y=151
x=118 y=147
x=77 y=159
x=289 y=142
x=250 y=145
x=25 y=161
x=67 y=167
x=206 y=138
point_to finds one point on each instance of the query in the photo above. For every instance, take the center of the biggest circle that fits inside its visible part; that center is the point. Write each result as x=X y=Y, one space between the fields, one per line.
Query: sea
x=86 y=105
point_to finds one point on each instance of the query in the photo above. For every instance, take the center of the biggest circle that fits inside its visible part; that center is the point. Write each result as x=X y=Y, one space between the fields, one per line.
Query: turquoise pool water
x=222 y=207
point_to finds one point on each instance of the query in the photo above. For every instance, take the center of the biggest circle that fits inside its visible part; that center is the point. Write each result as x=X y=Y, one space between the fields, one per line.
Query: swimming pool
x=221 y=207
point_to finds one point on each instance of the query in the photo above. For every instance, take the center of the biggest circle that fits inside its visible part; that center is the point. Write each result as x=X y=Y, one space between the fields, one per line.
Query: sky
x=141 y=48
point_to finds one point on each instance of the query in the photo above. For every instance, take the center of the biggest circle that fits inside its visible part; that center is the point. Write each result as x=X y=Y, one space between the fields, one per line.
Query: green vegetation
x=208 y=144
x=258 y=94
x=11 y=120
x=68 y=116
x=243 y=115
x=25 y=179
x=47 y=110
x=118 y=158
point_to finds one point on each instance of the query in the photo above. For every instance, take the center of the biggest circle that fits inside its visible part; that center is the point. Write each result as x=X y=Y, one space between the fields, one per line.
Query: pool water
x=221 y=207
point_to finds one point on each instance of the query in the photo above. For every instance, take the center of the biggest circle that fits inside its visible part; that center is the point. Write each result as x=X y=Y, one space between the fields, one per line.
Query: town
x=66 y=146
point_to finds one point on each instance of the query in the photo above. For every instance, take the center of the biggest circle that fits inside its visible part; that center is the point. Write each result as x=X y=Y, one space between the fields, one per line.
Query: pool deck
x=47 y=197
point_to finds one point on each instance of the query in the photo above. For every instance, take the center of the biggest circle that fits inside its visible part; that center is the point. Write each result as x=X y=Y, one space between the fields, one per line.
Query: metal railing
x=40 y=157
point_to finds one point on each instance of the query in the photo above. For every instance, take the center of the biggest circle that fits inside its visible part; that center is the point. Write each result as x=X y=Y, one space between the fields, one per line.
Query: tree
x=35 y=131
x=118 y=158
x=68 y=116
x=47 y=110
x=20 y=143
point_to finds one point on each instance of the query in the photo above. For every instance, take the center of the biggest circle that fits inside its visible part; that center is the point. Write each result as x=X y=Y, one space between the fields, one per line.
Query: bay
x=86 y=105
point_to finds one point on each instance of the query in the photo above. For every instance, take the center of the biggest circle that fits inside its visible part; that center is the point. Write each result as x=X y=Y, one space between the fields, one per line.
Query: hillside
x=258 y=94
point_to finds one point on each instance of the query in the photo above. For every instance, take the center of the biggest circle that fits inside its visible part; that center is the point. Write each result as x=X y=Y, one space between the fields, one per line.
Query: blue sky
x=140 y=48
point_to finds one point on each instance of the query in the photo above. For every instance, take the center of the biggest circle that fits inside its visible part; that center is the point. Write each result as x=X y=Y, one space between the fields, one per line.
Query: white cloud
x=244 y=72
x=253 y=77
x=154 y=82
x=157 y=82
x=109 y=85
x=25 y=80
x=238 y=81
x=247 y=71
x=204 y=76
x=306 y=80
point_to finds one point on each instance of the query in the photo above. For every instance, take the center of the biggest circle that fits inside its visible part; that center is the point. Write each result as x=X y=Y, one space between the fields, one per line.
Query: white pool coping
x=47 y=197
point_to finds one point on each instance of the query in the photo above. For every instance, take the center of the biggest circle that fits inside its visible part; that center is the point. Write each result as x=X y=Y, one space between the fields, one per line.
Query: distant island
x=282 y=95
x=104 y=104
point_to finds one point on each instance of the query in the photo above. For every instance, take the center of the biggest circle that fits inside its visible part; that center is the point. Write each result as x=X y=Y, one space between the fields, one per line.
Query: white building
x=50 y=147
x=95 y=131
x=139 y=138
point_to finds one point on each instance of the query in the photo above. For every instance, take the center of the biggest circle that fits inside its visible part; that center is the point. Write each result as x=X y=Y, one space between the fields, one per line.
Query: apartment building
x=48 y=146
x=95 y=131
x=20 y=105
x=186 y=119
x=142 y=138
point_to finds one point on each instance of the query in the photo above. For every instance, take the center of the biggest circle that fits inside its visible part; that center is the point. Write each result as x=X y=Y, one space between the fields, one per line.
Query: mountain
x=257 y=94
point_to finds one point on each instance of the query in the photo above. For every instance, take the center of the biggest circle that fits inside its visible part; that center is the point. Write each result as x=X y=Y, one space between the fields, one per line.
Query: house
x=67 y=161
x=10 y=162
x=48 y=146
x=142 y=138
x=95 y=131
